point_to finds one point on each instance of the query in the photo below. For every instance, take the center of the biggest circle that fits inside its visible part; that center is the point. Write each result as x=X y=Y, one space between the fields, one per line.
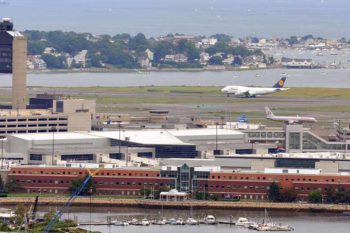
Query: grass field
x=182 y=101
x=214 y=90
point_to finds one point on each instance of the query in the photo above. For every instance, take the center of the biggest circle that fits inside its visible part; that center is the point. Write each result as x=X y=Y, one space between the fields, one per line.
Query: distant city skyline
x=266 y=18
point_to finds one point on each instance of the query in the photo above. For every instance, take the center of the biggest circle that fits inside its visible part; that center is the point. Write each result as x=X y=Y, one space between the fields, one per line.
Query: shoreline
x=141 y=203
x=147 y=71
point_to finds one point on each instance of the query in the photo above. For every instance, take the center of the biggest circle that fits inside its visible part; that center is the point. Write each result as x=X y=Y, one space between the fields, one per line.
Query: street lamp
x=216 y=152
x=53 y=144
x=127 y=139
x=119 y=137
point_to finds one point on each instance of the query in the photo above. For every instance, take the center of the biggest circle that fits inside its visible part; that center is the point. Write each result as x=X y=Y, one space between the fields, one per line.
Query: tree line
x=123 y=50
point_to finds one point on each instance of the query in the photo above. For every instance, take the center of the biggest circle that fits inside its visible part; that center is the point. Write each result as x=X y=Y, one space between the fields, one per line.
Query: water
x=296 y=78
x=302 y=222
x=326 y=18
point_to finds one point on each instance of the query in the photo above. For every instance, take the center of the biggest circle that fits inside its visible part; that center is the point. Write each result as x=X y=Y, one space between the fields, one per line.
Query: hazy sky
x=328 y=18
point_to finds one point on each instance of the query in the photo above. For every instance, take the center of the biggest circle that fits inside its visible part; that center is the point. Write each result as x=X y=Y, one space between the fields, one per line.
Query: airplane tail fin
x=242 y=118
x=280 y=83
x=269 y=113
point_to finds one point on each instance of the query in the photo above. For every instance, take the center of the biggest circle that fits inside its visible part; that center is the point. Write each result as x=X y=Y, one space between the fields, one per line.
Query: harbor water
x=336 y=78
x=301 y=222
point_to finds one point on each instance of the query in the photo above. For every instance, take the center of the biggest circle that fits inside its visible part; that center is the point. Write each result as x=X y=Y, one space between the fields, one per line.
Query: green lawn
x=215 y=90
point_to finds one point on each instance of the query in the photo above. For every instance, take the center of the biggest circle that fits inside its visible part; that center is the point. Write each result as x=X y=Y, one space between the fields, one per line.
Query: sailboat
x=268 y=225
x=191 y=220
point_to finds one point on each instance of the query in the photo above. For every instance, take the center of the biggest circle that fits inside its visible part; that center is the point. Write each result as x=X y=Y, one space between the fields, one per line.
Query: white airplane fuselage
x=243 y=91
x=292 y=119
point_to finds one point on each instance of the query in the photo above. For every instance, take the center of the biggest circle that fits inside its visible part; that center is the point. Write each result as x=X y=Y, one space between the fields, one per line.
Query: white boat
x=180 y=221
x=120 y=223
x=162 y=221
x=244 y=222
x=191 y=221
x=273 y=227
x=145 y=222
x=210 y=219
x=172 y=221
x=268 y=225
x=134 y=221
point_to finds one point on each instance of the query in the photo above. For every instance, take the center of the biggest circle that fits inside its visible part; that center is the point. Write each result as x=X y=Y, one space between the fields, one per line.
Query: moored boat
x=191 y=221
x=210 y=219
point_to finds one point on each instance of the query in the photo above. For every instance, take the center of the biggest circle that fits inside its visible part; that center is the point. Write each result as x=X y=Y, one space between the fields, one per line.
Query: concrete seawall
x=102 y=202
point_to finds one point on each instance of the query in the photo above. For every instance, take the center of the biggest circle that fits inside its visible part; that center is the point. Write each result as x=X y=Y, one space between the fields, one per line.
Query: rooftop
x=58 y=136
x=24 y=112
x=153 y=137
x=314 y=155
x=203 y=132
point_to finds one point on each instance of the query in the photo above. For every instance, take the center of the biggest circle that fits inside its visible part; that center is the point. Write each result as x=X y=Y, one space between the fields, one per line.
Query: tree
x=219 y=47
x=274 y=192
x=293 y=40
x=20 y=213
x=145 y=192
x=347 y=196
x=139 y=43
x=2 y=186
x=94 y=60
x=120 y=58
x=4 y=227
x=237 y=61
x=188 y=48
x=243 y=51
x=315 y=196
x=89 y=189
x=340 y=196
x=306 y=37
x=215 y=60
x=163 y=189
x=222 y=38
x=13 y=186
x=330 y=195
x=288 y=195
x=54 y=62
x=161 y=49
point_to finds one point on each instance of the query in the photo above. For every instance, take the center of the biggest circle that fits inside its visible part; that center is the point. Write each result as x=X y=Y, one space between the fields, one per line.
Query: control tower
x=13 y=60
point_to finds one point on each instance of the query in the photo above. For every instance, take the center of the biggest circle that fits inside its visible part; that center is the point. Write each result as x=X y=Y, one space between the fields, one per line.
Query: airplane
x=288 y=119
x=252 y=92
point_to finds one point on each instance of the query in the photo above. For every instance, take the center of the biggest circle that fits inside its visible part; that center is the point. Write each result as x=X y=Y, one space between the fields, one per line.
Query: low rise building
x=62 y=115
x=207 y=181
x=296 y=63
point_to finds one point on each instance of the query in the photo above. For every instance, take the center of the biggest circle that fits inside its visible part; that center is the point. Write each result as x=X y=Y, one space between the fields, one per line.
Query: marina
x=226 y=220
x=264 y=224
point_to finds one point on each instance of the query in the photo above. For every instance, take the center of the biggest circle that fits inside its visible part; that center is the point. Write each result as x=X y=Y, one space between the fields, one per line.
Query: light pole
x=53 y=144
x=216 y=138
x=119 y=137
x=345 y=141
x=2 y=152
x=127 y=139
